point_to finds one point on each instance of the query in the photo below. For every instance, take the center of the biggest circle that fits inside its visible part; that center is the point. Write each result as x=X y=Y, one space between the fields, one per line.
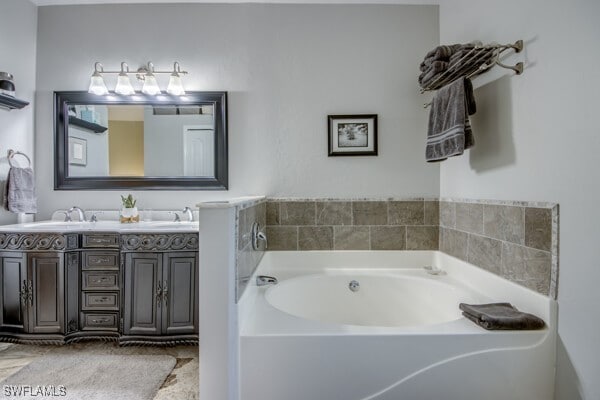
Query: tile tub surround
x=331 y=224
x=515 y=240
x=246 y=258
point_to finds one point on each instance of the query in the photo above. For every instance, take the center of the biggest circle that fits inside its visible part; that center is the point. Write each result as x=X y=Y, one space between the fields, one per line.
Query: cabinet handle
x=99 y=260
x=100 y=321
x=165 y=293
x=30 y=292
x=23 y=293
x=159 y=293
x=100 y=240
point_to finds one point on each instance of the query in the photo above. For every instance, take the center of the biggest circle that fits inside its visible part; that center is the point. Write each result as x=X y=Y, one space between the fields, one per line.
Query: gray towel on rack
x=20 y=191
x=436 y=65
x=442 y=52
x=436 y=68
x=500 y=316
x=449 y=132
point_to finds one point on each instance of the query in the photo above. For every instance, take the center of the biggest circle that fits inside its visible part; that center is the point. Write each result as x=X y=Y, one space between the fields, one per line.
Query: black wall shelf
x=86 y=125
x=11 y=103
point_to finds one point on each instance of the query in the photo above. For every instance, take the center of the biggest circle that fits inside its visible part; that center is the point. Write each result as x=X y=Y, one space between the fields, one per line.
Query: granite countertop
x=101 y=226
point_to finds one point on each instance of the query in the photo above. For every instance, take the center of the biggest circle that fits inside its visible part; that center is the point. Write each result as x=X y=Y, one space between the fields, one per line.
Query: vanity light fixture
x=145 y=74
x=97 y=85
x=123 y=83
x=150 y=85
x=175 y=87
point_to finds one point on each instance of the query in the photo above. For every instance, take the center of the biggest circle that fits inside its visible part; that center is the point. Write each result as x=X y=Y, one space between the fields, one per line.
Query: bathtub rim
x=258 y=318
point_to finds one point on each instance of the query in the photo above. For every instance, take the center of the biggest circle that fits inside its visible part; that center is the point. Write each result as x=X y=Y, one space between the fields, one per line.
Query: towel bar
x=477 y=60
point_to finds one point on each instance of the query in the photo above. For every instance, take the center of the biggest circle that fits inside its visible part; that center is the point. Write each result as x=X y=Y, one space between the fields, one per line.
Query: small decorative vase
x=129 y=215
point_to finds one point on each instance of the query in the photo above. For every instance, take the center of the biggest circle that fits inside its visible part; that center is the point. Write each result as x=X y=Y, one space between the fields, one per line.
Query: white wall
x=537 y=139
x=285 y=67
x=18 y=30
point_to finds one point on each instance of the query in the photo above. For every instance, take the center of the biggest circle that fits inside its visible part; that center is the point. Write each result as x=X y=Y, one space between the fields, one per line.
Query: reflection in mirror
x=141 y=142
x=122 y=140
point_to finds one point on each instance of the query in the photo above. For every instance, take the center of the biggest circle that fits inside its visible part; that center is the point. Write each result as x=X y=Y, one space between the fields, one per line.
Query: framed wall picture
x=352 y=135
x=77 y=151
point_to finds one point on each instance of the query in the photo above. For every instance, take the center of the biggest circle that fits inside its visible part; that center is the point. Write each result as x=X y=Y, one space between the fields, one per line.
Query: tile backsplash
x=247 y=259
x=353 y=224
x=515 y=240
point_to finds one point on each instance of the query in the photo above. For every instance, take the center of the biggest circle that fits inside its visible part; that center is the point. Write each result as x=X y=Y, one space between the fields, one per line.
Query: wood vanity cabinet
x=161 y=293
x=131 y=288
x=32 y=292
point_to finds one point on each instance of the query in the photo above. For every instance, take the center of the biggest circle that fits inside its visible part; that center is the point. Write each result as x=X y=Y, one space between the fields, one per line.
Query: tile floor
x=181 y=384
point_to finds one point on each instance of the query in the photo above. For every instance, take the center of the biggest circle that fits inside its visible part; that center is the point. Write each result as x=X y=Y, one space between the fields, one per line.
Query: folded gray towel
x=500 y=316
x=442 y=52
x=449 y=132
x=20 y=191
x=437 y=67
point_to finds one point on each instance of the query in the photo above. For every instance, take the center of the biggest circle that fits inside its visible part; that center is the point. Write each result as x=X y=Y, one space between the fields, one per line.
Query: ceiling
x=63 y=2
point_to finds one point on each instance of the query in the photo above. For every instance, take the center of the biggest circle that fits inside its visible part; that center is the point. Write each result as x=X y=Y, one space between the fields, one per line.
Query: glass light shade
x=175 y=87
x=150 y=85
x=97 y=85
x=124 y=85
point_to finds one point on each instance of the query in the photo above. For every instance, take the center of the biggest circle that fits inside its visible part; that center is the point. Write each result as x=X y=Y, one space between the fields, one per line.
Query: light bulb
x=175 y=87
x=124 y=85
x=97 y=85
x=150 y=85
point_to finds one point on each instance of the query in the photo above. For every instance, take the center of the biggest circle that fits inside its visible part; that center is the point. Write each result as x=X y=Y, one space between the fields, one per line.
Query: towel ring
x=12 y=153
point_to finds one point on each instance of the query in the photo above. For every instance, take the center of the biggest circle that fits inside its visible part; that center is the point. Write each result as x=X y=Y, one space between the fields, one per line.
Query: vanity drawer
x=100 y=301
x=100 y=260
x=99 y=280
x=100 y=240
x=99 y=321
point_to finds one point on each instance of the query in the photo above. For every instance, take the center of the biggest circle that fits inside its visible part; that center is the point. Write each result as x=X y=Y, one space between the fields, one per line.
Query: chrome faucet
x=94 y=217
x=264 y=280
x=188 y=211
x=79 y=211
x=177 y=218
x=67 y=216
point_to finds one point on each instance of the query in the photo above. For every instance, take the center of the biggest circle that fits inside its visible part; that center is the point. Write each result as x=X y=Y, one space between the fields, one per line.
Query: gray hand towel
x=20 y=191
x=500 y=316
x=449 y=132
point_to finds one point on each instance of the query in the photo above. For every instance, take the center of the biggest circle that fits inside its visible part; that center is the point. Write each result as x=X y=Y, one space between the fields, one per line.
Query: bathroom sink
x=55 y=225
x=107 y=226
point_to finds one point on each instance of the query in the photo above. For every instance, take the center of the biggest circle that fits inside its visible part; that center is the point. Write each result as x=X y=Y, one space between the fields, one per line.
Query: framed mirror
x=140 y=142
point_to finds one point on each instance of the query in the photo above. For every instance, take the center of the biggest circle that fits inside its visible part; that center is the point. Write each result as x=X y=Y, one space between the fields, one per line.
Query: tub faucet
x=188 y=211
x=264 y=280
x=79 y=211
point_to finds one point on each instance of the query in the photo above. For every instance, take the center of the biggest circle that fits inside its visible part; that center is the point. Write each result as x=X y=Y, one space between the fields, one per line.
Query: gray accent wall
x=285 y=67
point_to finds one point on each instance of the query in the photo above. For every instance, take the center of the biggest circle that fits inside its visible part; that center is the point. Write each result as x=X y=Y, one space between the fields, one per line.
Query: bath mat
x=89 y=377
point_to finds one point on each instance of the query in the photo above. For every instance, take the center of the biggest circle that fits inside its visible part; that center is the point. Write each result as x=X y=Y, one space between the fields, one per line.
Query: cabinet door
x=180 y=275
x=47 y=309
x=13 y=300
x=143 y=275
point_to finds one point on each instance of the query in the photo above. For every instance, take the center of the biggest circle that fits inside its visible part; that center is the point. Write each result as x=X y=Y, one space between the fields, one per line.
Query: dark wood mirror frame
x=62 y=181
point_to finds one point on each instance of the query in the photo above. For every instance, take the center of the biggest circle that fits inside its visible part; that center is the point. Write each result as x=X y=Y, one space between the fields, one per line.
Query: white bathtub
x=400 y=336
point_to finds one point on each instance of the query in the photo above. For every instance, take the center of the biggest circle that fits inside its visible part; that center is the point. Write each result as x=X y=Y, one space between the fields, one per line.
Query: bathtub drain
x=354 y=286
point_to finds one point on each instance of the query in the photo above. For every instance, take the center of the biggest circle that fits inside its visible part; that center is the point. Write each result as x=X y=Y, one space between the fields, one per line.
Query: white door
x=198 y=151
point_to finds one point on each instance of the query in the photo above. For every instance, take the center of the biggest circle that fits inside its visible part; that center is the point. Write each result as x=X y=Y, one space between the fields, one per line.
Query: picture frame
x=352 y=135
x=77 y=151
